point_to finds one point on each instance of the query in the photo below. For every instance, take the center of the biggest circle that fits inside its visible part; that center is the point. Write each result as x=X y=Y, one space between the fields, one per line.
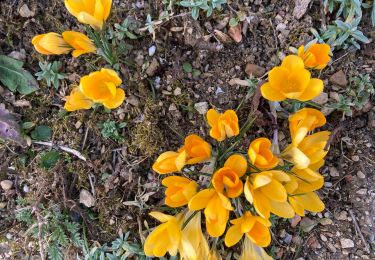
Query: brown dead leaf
x=222 y=37
x=236 y=33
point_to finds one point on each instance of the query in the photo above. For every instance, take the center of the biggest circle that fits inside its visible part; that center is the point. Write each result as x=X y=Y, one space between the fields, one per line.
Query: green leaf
x=196 y=73
x=187 y=67
x=15 y=78
x=49 y=159
x=41 y=133
x=27 y=125
x=233 y=22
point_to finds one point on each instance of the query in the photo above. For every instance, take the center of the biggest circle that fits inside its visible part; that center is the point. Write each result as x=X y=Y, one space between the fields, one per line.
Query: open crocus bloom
x=179 y=190
x=80 y=42
x=76 y=101
x=51 y=44
x=256 y=229
x=226 y=180
x=250 y=251
x=101 y=87
x=166 y=237
x=169 y=162
x=316 y=57
x=223 y=125
x=197 y=149
x=260 y=154
x=93 y=12
x=216 y=210
x=309 y=151
x=303 y=121
x=265 y=190
x=291 y=80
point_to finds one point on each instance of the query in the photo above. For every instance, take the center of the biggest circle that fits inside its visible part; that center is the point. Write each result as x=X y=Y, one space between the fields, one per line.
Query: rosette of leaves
x=50 y=72
x=207 y=6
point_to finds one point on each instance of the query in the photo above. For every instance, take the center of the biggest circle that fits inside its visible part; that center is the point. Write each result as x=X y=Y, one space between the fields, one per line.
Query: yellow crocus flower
x=260 y=154
x=304 y=121
x=256 y=229
x=226 y=180
x=179 y=190
x=265 y=190
x=291 y=80
x=222 y=125
x=315 y=57
x=51 y=44
x=216 y=210
x=92 y=12
x=102 y=87
x=197 y=150
x=80 y=43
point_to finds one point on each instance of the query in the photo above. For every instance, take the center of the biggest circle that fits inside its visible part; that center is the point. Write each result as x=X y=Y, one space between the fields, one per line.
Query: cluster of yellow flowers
x=251 y=187
x=99 y=86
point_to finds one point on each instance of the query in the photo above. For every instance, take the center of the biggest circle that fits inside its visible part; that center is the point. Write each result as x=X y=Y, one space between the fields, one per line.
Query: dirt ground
x=160 y=107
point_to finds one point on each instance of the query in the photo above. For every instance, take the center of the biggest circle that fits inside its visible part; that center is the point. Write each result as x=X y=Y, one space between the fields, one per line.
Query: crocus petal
x=274 y=191
x=233 y=235
x=86 y=18
x=281 y=209
x=160 y=216
x=237 y=163
x=313 y=89
x=270 y=93
x=116 y=101
x=293 y=62
x=201 y=199
x=212 y=117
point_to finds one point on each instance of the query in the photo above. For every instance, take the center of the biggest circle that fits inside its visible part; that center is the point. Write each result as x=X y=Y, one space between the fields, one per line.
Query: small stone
x=346 y=243
x=152 y=50
x=133 y=100
x=355 y=158
x=362 y=192
x=331 y=247
x=321 y=99
x=172 y=107
x=361 y=175
x=339 y=78
x=6 y=185
x=326 y=221
x=86 y=198
x=177 y=91
x=201 y=107
x=3 y=205
x=300 y=8
x=78 y=124
x=253 y=69
x=327 y=111
x=333 y=172
x=295 y=220
x=335 y=96
x=25 y=11
x=307 y=224
x=343 y=215
x=323 y=238
x=153 y=68
x=26 y=189
x=18 y=55
x=281 y=27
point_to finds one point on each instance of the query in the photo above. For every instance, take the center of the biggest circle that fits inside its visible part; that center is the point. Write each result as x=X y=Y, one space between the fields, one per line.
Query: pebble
x=343 y=215
x=323 y=238
x=361 y=175
x=346 y=243
x=86 y=198
x=25 y=11
x=362 y=192
x=339 y=78
x=18 y=55
x=78 y=124
x=355 y=158
x=331 y=247
x=152 y=50
x=177 y=91
x=26 y=189
x=133 y=100
x=333 y=172
x=6 y=185
x=201 y=107
x=172 y=107
x=153 y=68
x=321 y=99
x=253 y=69
x=326 y=221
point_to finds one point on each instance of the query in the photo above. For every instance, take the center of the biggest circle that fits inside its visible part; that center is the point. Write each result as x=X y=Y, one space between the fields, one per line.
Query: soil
x=160 y=108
